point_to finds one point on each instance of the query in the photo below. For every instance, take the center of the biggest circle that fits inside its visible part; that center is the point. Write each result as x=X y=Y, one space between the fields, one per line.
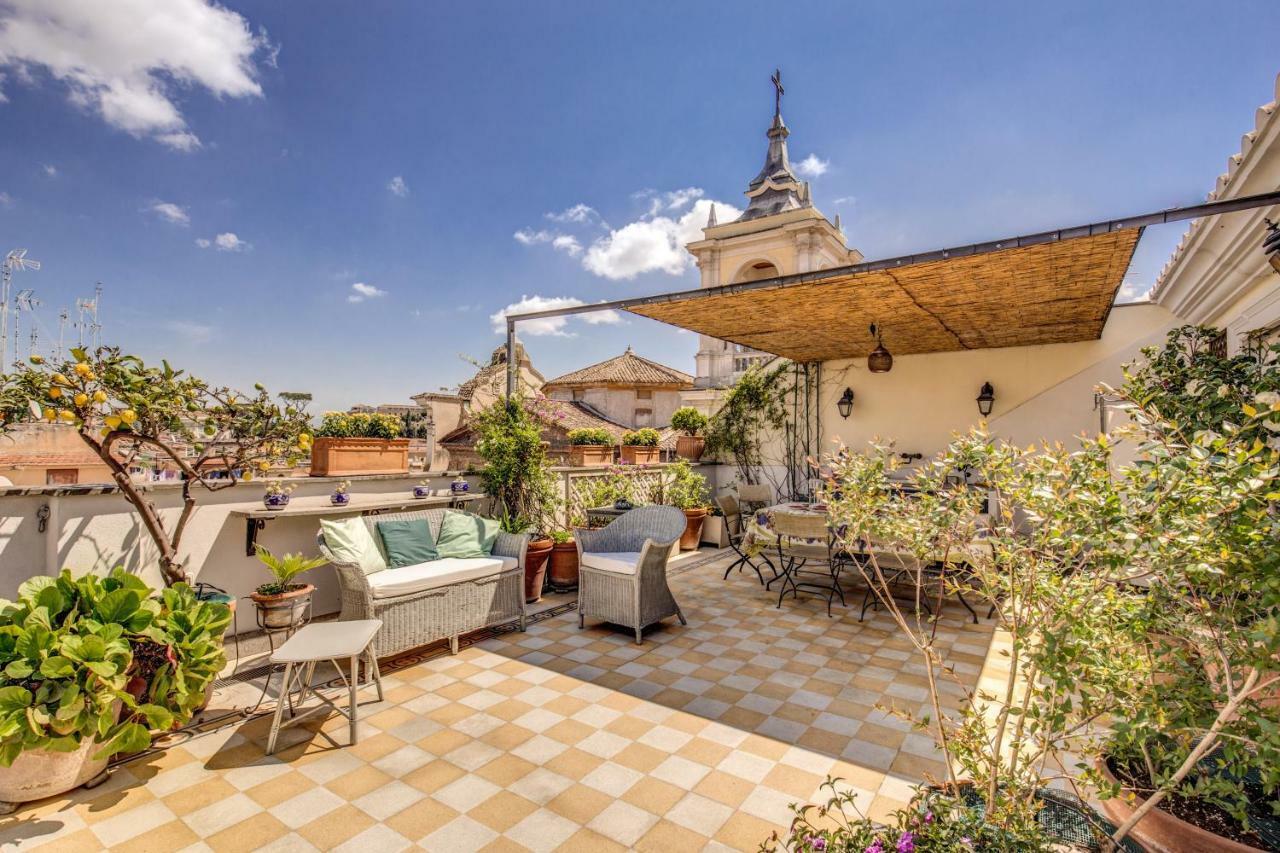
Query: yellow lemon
x=247 y=476
x=67 y=415
x=59 y=379
x=55 y=392
x=112 y=421
x=264 y=464
x=105 y=431
x=99 y=396
x=128 y=416
x=50 y=414
x=37 y=359
x=83 y=369
x=81 y=398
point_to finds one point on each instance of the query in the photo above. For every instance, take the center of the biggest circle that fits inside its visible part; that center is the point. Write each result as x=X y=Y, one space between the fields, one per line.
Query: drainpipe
x=50 y=517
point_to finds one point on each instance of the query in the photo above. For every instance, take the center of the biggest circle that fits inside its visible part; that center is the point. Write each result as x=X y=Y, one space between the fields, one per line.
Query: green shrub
x=647 y=437
x=687 y=489
x=71 y=649
x=359 y=425
x=591 y=436
x=517 y=474
x=688 y=420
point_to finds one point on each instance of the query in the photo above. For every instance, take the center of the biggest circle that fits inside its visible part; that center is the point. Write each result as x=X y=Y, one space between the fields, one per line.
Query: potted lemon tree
x=691 y=422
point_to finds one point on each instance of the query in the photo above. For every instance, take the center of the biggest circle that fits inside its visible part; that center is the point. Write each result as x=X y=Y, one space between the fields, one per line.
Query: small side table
x=312 y=644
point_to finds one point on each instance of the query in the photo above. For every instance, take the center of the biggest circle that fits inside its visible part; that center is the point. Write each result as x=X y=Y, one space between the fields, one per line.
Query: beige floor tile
x=502 y=811
x=421 y=819
x=257 y=831
x=579 y=803
x=745 y=832
x=335 y=827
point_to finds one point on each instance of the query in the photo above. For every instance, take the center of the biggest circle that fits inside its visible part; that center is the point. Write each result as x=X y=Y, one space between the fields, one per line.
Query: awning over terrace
x=1046 y=293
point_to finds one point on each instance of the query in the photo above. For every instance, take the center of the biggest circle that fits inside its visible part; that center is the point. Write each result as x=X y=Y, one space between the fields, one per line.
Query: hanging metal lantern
x=880 y=360
x=1271 y=245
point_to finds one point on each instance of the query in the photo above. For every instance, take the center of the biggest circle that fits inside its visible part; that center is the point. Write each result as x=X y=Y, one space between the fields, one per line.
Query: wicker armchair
x=416 y=618
x=622 y=569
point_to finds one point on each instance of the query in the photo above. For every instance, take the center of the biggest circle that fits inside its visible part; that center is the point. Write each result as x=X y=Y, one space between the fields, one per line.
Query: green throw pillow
x=351 y=542
x=407 y=542
x=466 y=535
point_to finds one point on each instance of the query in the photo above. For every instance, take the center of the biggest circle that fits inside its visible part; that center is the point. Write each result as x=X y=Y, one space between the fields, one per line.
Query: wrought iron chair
x=622 y=569
x=753 y=496
x=804 y=542
x=737 y=533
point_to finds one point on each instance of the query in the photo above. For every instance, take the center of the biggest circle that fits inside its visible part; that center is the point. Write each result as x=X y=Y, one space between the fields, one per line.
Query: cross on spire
x=778 y=91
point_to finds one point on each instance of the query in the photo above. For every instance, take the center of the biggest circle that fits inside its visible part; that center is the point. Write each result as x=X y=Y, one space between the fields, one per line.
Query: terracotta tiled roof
x=564 y=414
x=48 y=459
x=626 y=369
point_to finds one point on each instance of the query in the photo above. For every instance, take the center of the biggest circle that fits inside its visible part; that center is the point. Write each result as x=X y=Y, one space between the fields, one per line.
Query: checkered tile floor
x=556 y=739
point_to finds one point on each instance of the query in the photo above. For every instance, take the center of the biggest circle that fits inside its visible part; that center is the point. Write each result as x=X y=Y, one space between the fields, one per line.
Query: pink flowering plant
x=935 y=821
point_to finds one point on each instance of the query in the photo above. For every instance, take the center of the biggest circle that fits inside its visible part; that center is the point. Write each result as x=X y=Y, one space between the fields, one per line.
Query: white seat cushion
x=622 y=562
x=436 y=573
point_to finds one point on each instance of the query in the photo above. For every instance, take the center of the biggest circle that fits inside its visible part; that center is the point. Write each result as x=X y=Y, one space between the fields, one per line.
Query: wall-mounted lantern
x=880 y=360
x=1271 y=245
x=845 y=403
x=986 y=399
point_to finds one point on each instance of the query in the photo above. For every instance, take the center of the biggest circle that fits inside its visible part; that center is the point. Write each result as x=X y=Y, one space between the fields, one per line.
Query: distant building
x=626 y=389
x=780 y=233
x=40 y=454
x=417 y=425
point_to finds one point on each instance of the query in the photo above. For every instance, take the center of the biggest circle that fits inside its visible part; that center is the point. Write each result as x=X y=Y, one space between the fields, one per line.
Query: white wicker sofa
x=440 y=599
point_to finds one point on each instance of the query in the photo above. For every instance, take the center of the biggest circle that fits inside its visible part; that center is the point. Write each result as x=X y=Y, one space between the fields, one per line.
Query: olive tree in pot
x=282 y=604
x=125 y=411
x=691 y=422
x=686 y=490
x=518 y=478
x=89 y=668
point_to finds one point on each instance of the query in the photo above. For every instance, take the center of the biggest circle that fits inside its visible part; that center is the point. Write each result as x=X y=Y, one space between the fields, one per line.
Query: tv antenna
x=87 y=309
x=62 y=328
x=25 y=300
x=13 y=262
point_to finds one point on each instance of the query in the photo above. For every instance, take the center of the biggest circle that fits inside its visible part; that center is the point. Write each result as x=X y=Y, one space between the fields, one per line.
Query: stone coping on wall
x=82 y=489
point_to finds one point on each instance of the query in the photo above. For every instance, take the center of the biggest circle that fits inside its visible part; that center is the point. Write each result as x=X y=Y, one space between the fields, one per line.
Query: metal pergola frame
x=1162 y=217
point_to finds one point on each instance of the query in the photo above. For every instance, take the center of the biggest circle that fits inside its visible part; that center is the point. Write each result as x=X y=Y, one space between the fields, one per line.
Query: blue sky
x=136 y=133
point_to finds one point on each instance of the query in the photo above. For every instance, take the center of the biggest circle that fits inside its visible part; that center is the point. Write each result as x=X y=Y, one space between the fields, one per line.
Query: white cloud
x=170 y=212
x=398 y=186
x=845 y=199
x=227 y=241
x=653 y=243
x=580 y=213
x=567 y=243
x=50 y=170
x=196 y=333
x=548 y=325
x=679 y=198
x=1132 y=291
x=361 y=291
x=529 y=237
x=125 y=60
x=6 y=200
x=813 y=166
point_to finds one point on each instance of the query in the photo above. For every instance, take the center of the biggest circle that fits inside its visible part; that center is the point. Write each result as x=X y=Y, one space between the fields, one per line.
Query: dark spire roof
x=775 y=188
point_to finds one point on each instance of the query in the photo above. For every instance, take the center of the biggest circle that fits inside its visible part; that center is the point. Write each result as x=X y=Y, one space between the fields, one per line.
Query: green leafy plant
x=128 y=413
x=284 y=569
x=102 y=658
x=646 y=437
x=934 y=821
x=517 y=474
x=688 y=420
x=359 y=425
x=590 y=436
x=685 y=488
x=560 y=536
x=754 y=412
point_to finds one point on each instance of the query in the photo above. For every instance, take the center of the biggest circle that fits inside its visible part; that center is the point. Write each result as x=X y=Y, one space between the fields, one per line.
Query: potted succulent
x=590 y=446
x=340 y=495
x=282 y=604
x=276 y=494
x=691 y=422
x=89 y=667
x=359 y=443
x=422 y=489
x=640 y=447
x=687 y=491
x=562 y=573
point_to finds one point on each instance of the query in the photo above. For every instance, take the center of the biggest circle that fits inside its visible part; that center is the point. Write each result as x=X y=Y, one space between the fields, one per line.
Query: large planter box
x=715 y=532
x=342 y=457
x=583 y=455
x=690 y=447
x=638 y=454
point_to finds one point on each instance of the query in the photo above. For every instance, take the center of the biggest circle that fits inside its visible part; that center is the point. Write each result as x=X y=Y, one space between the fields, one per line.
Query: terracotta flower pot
x=563 y=568
x=535 y=568
x=584 y=455
x=39 y=773
x=690 y=447
x=1162 y=832
x=286 y=609
x=693 y=519
x=341 y=457
x=639 y=454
